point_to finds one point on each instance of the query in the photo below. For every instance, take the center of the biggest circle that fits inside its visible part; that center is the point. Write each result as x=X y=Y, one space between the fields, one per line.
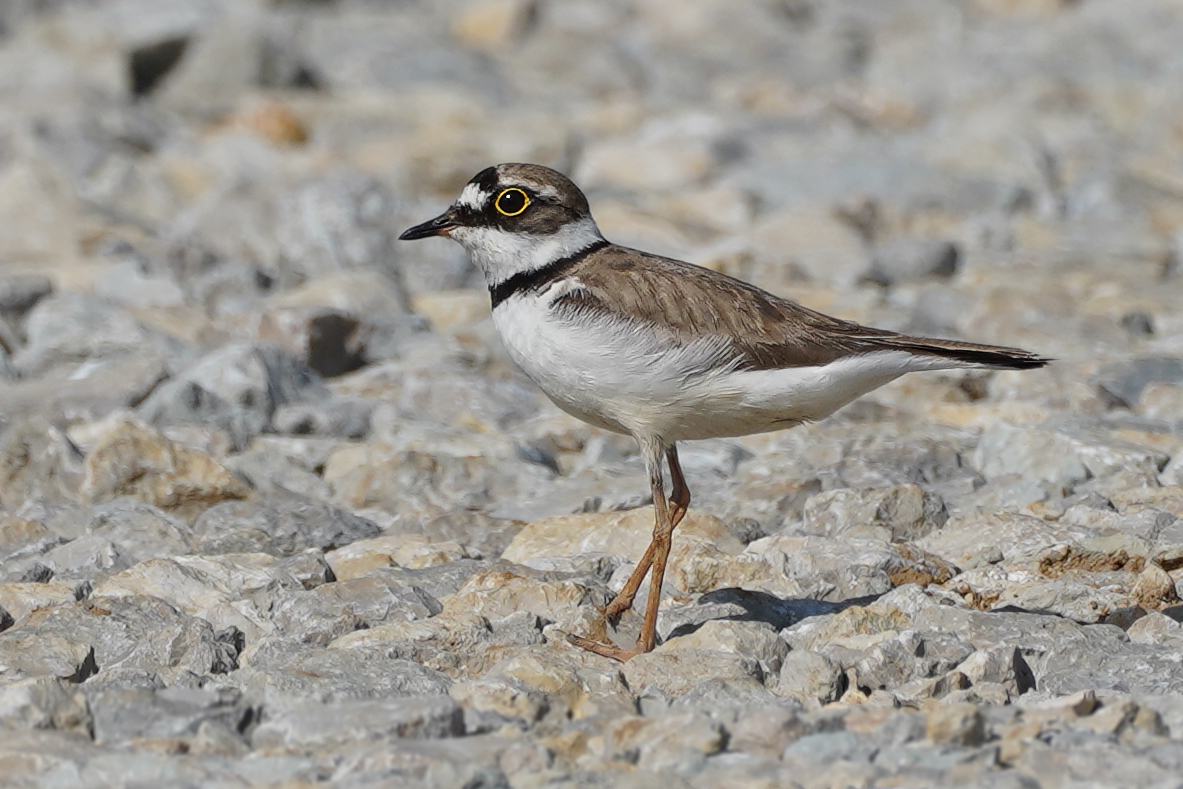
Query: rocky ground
x=275 y=508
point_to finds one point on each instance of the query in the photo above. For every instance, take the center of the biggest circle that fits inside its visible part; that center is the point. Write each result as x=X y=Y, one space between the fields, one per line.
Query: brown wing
x=768 y=332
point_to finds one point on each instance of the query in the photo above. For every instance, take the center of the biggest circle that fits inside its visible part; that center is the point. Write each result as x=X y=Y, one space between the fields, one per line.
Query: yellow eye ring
x=507 y=202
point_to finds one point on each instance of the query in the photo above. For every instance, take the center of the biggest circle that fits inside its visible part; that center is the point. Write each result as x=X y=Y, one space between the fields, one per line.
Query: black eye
x=512 y=202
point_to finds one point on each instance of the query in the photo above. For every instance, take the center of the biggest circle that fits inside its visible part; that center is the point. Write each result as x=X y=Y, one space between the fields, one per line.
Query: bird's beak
x=440 y=226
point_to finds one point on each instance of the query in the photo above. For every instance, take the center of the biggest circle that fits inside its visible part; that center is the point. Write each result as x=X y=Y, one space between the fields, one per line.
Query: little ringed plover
x=662 y=350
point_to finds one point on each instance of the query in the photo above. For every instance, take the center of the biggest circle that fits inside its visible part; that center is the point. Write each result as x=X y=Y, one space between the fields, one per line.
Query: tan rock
x=16 y=533
x=586 y=683
x=448 y=310
x=27 y=655
x=768 y=730
x=22 y=599
x=810 y=677
x=653 y=160
x=1168 y=499
x=504 y=696
x=717 y=209
x=358 y=292
x=273 y=121
x=956 y=724
x=36 y=462
x=1020 y=8
x=861 y=627
x=678 y=671
x=1112 y=717
x=43 y=207
x=401 y=550
x=654 y=743
x=571 y=605
x=622 y=533
x=1155 y=628
x=492 y=24
x=891 y=514
x=811 y=241
x=964 y=540
x=1162 y=401
x=1154 y=588
x=754 y=639
x=137 y=460
x=214 y=588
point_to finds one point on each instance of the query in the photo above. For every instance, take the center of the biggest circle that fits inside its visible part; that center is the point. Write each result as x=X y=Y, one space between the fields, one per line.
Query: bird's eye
x=512 y=202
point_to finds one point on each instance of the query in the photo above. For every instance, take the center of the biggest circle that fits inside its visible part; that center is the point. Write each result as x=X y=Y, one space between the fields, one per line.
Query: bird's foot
x=604 y=650
x=617 y=609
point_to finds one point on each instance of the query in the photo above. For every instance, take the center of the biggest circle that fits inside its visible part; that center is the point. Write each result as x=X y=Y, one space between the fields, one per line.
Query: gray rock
x=1003 y=665
x=910 y=655
x=333 y=609
x=679 y=671
x=741 y=604
x=341 y=221
x=1123 y=381
x=443 y=580
x=810 y=677
x=26 y=653
x=283 y=674
x=20 y=293
x=122 y=714
x=111 y=382
x=1030 y=453
x=317 y=726
x=827 y=747
x=715 y=696
x=1063 y=656
x=675 y=743
x=896 y=514
x=68 y=329
x=20 y=538
x=37 y=462
x=87 y=559
x=904 y=259
x=139 y=530
x=282 y=525
x=766 y=730
x=131 y=633
x=338 y=417
x=237 y=388
x=757 y=640
x=272 y=472
x=44 y=704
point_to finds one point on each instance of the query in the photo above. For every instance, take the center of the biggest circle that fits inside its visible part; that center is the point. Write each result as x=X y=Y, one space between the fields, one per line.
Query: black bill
x=433 y=227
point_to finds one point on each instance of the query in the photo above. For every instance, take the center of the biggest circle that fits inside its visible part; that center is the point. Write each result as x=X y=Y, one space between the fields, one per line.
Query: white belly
x=628 y=378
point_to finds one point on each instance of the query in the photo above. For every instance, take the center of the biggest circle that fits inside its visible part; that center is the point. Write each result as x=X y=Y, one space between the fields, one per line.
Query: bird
x=662 y=350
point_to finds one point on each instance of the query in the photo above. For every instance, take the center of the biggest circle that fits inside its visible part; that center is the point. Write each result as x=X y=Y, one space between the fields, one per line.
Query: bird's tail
x=972 y=354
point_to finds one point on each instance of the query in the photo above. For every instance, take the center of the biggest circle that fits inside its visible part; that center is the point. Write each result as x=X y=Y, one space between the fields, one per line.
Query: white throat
x=500 y=254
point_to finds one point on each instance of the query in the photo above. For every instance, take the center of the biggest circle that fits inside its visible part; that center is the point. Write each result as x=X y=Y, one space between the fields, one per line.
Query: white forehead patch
x=473 y=197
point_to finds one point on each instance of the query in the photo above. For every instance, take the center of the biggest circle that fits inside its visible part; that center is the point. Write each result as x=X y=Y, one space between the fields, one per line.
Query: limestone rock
x=281 y=525
x=678 y=671
x=318 y=725
x=896 y=514
x=135 y=460
x=811 y=678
